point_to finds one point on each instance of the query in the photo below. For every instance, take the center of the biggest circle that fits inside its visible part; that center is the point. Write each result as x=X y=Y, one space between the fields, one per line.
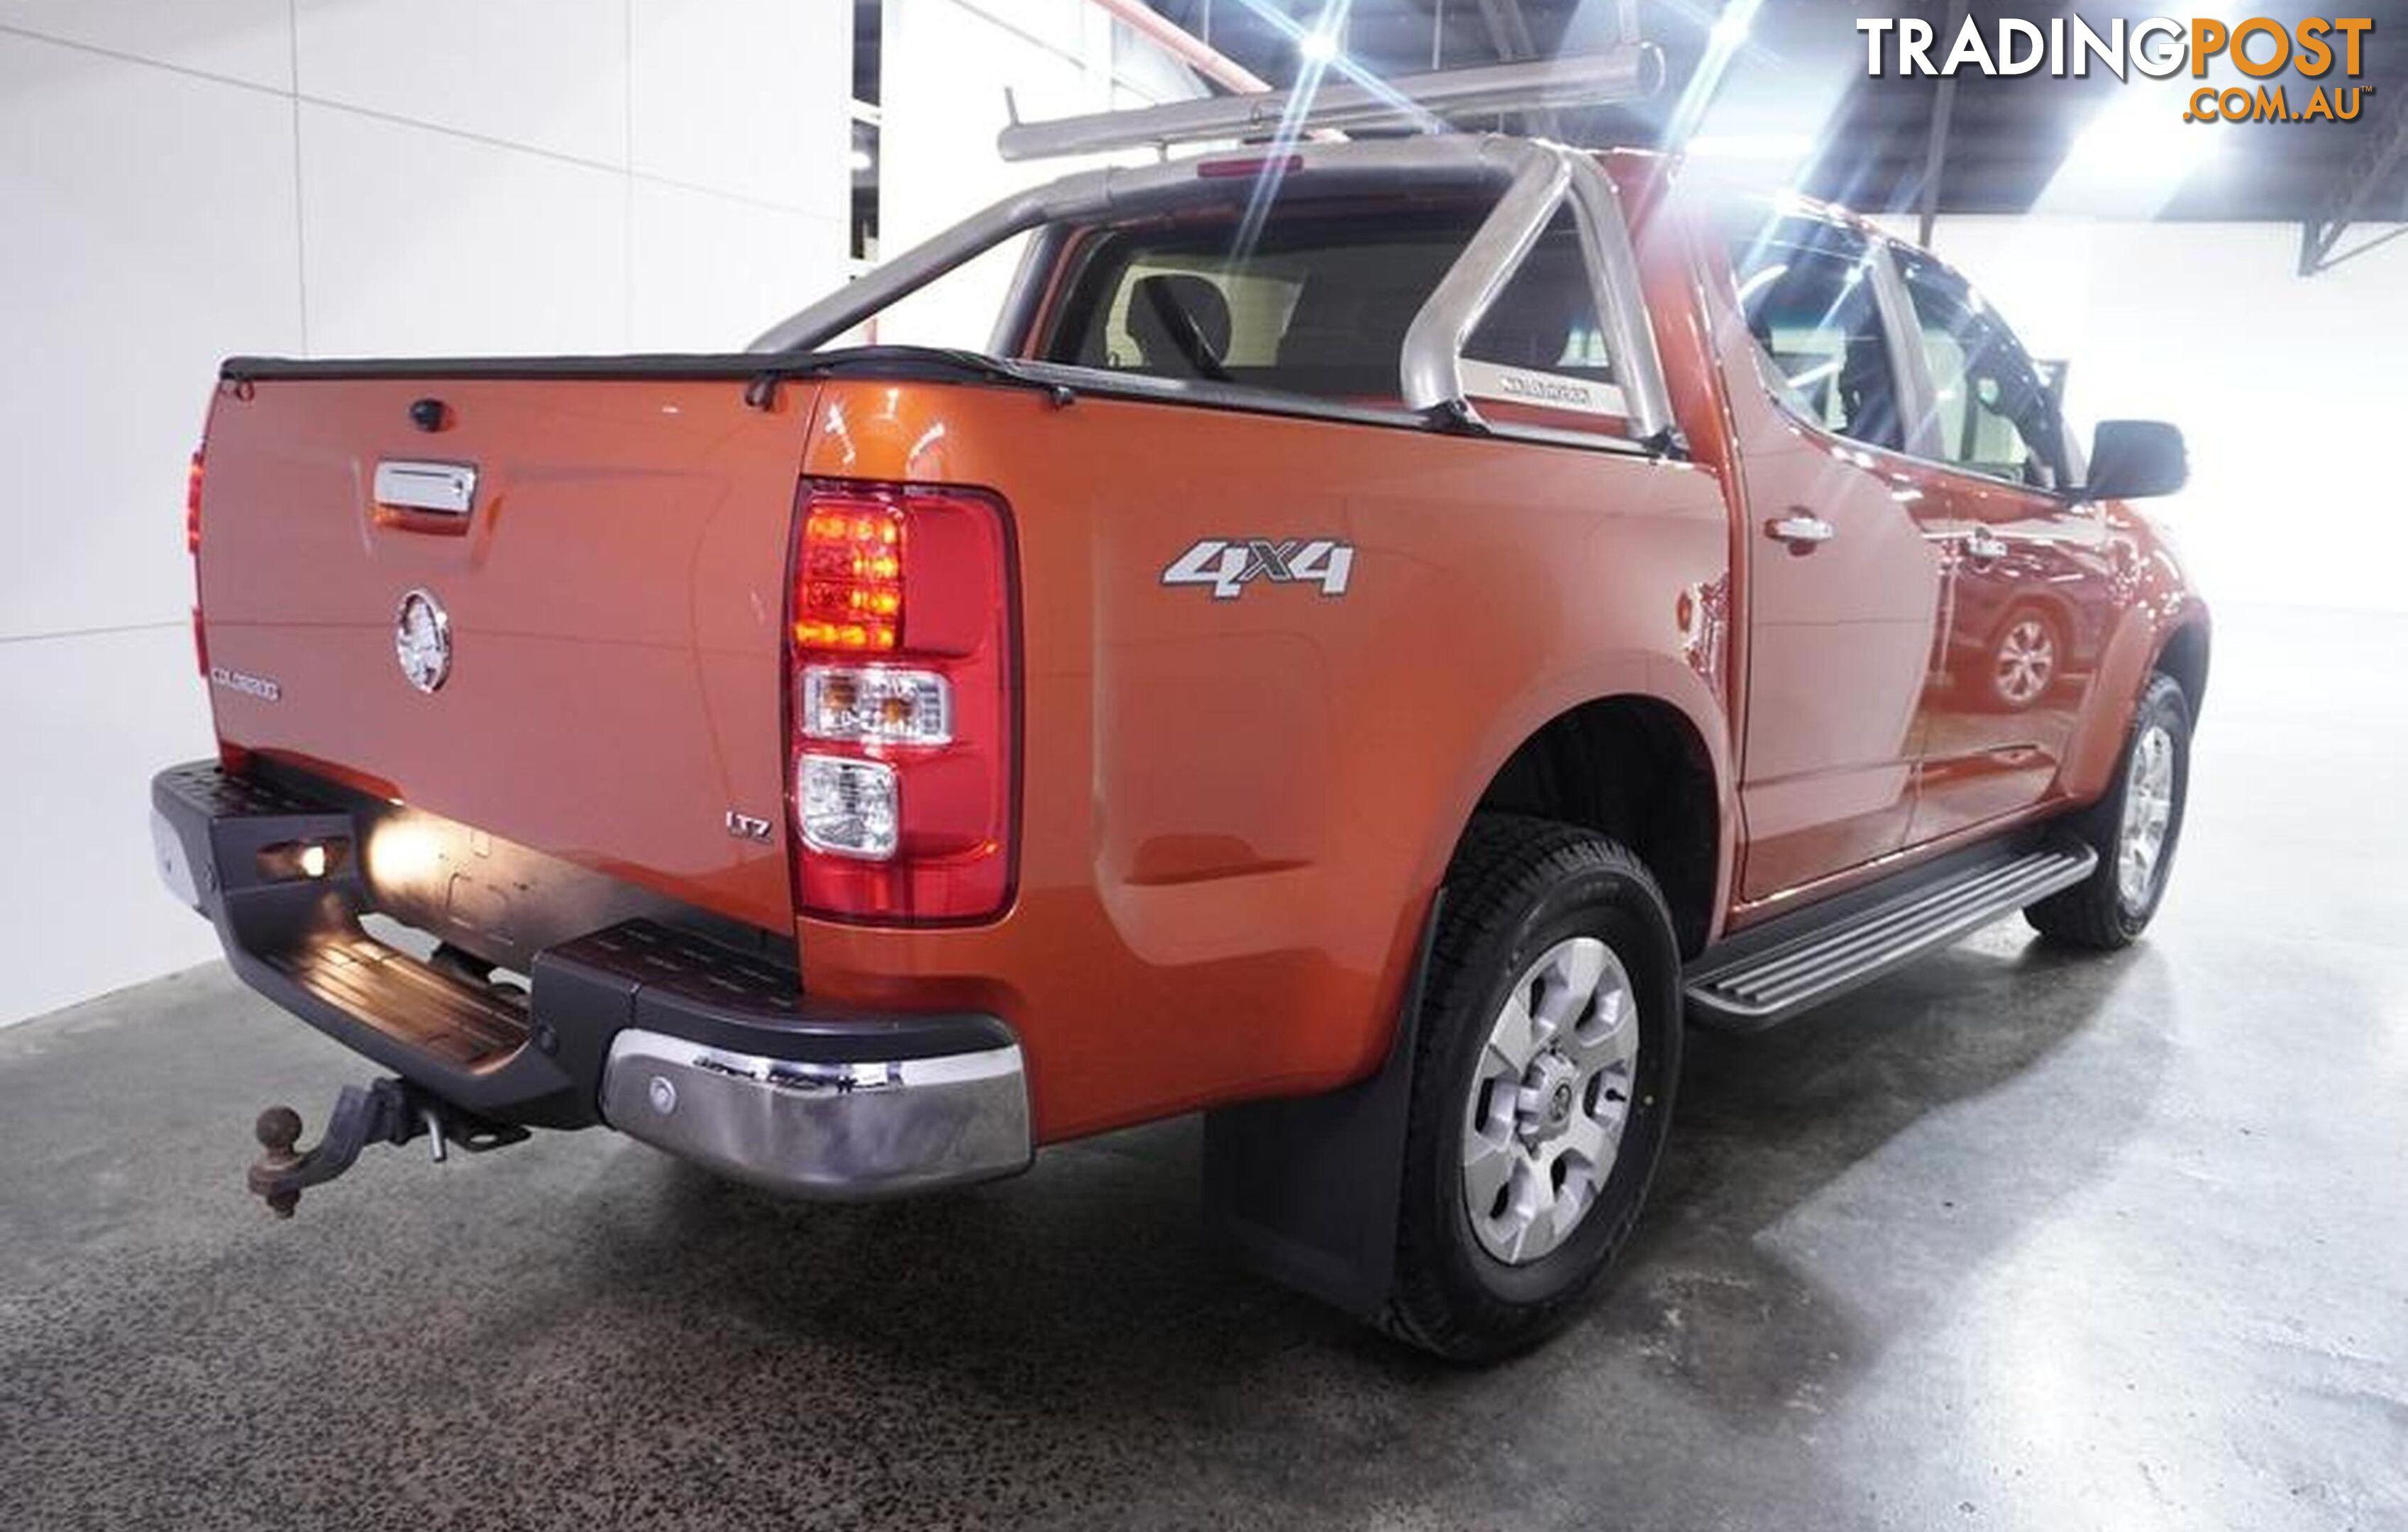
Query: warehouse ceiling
x=1795 y=99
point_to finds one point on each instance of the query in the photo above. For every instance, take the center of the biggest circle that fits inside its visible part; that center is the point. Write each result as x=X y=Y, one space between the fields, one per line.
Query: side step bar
x=1767 y=983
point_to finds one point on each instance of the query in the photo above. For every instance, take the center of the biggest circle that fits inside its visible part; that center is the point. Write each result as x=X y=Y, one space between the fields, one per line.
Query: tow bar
x=385 y=1112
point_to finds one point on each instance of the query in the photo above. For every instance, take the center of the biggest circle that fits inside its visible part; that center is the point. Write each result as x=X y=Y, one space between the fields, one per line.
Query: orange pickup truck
x=1385 y=635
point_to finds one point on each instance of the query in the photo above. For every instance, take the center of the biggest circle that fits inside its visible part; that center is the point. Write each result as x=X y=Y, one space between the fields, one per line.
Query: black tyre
x=1528 y=1152
x=2135 y=830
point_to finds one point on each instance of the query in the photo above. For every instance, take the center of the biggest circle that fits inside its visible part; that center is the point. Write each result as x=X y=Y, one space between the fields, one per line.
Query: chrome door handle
x=1801 y=530
x=449 y=488
x=1983 y=545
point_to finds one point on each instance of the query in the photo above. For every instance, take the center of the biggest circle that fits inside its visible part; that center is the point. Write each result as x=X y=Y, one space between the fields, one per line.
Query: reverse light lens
x=876 y=705
x=848 y=808
x=849 y=575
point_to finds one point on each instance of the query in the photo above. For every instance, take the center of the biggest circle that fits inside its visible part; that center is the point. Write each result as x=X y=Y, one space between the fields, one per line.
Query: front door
x=2030 y=570
x=1844 y=587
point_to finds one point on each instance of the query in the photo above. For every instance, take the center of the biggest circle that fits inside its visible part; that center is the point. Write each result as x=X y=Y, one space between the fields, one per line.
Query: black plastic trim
x=896 y=361
x=762 y=370
x=1306 y=1191
x=688 y=982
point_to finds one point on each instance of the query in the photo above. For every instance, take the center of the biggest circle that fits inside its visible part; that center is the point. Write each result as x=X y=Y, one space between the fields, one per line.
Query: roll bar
x=1537 y=181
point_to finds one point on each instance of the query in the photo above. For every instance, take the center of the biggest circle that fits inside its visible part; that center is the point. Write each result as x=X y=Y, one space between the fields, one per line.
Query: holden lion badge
x=421 y=640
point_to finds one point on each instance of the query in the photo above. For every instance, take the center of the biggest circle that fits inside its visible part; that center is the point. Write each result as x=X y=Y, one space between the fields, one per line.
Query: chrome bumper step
x=1765 y=984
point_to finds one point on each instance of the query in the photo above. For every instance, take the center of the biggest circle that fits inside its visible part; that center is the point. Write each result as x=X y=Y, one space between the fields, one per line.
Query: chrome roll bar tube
x=1537 y=181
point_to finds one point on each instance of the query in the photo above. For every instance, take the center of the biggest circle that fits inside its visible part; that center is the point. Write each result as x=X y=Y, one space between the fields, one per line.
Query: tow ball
x=384 y=1112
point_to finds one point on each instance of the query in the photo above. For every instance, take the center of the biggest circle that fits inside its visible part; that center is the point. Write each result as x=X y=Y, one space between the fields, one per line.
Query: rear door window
x=1806 y=289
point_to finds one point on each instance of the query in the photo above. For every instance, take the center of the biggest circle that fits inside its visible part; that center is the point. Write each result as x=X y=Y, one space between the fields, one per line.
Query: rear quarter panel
x=1233 y=812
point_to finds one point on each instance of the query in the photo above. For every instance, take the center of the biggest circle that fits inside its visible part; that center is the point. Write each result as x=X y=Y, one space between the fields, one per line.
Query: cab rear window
x=1319 y=305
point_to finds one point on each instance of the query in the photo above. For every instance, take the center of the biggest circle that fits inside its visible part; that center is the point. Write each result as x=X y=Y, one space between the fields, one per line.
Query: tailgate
x=612 y=597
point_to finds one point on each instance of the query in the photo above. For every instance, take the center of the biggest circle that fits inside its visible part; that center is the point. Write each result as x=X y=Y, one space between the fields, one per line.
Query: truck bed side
x=1234 y=810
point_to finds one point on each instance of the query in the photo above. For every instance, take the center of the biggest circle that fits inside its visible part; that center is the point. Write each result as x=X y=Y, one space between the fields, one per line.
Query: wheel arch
x=2183 y=655
x=1637 y=769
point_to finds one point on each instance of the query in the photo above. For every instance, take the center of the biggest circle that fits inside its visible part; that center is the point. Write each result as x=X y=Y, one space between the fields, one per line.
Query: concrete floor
x=2013 y=1239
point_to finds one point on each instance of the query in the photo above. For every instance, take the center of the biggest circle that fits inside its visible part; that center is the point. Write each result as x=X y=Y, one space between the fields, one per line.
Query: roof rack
x=1629 y=72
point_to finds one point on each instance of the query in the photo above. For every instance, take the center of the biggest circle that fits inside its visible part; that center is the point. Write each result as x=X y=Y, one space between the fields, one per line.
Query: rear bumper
x=834 y=1130
x=677 y=1035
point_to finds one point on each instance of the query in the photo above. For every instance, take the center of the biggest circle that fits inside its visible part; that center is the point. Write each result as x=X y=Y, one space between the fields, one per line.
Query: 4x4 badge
x=1226 y=565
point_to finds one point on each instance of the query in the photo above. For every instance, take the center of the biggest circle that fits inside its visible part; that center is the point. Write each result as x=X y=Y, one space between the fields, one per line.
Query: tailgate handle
x=448 y=489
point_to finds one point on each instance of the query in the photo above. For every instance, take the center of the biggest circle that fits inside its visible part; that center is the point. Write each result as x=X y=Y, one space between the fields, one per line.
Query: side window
x=1992 y=413
x=1542 y=343
x=1807 y=292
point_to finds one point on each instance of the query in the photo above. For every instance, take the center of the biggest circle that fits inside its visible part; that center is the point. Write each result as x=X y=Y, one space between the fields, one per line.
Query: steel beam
x=1509 y=35
x=1935 y=150
x=2380 y=153
x=1197 y=53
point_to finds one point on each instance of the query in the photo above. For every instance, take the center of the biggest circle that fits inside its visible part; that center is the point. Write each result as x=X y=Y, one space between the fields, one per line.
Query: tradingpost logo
x=2321 y=58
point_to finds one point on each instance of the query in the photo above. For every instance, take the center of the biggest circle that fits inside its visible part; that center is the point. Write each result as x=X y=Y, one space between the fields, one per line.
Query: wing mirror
x=2130 y=459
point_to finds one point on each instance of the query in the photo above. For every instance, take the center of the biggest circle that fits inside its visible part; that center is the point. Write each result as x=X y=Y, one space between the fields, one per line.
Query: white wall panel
x=152 y=220
x=92 y=717
x=130 y=264
x=947 y=67
x=948 y=64
x=767 y=122
x=2284 y=386
x=546 y=74
x=426 y=243
x=240 y=39
x=1061 y=25
x=710 y=272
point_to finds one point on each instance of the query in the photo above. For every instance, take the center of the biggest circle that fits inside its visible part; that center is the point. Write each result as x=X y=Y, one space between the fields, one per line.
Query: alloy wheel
x=2026 y=661
x=1550 y=1097
x=2148 y=812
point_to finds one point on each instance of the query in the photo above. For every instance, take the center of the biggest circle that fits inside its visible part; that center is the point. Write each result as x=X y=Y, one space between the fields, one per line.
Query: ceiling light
x=2131 y=159
x=863 y=162
x=1318 y=46
x=1737 y=20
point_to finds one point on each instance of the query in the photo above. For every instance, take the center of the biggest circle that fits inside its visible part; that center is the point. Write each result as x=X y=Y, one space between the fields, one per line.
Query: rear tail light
x=903 y=749
x=848 y=808
x=849 y=577
x=876 y=705
x=193 y=547
x=193 y=503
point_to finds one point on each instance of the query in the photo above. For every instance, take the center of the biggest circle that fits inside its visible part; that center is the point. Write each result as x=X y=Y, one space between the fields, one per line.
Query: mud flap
x=1305 y=1191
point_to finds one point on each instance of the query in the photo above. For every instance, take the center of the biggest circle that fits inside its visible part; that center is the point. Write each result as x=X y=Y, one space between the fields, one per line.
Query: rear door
x=1843 y=589
x=603 y=563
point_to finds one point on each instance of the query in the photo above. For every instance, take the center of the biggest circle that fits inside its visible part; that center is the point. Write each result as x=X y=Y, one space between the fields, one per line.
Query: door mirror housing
x=2131 y=460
